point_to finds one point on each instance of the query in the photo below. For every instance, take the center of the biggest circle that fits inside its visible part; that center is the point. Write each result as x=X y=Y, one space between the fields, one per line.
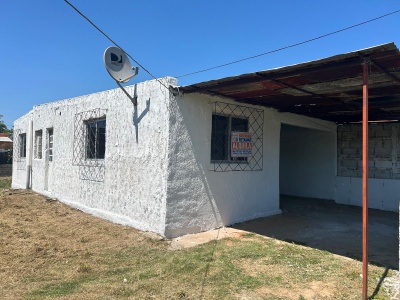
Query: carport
x=352 y=88
x=326 y=225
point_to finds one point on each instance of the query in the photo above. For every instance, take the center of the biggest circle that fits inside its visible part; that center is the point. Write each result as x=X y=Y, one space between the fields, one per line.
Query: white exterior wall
x=200 y=198
x=308 y=162
x=309 y=169
x=383 y=194
x=161 y=179
x=134 y=188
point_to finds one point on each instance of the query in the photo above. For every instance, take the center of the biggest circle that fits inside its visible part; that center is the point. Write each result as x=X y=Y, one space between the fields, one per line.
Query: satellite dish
x=118 y=65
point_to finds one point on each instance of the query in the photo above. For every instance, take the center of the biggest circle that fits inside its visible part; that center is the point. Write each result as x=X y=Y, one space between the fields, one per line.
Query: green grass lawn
x=51 y=251
x=5 y=182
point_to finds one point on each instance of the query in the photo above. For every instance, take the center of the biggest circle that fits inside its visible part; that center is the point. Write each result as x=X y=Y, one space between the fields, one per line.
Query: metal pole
x=365 y=179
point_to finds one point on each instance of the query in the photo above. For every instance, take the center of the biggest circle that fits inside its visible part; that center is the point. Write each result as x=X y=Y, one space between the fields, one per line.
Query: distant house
x=192 y=158
x=6 y=145
x=5 y=142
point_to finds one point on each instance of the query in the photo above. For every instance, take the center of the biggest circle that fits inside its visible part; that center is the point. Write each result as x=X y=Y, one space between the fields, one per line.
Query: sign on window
x=241 y=144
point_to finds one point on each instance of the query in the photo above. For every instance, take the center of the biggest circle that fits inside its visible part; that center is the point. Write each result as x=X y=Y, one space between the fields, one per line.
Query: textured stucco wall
x=308 y=162
x=133 y=191
x=157 y=170
x=199 y=198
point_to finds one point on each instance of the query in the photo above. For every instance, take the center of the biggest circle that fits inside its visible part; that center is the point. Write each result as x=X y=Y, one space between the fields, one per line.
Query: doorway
x=307 y=166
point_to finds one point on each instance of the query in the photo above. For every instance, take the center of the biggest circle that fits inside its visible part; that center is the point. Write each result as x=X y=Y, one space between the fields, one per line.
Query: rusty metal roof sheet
x=328 y=89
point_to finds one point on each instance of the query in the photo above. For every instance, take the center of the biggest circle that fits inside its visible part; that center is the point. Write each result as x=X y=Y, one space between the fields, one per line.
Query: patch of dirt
x=313 y=290
x=192 y=240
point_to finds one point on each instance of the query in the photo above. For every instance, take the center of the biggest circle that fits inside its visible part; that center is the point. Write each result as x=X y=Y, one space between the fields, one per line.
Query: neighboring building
x=5 y=142
x=194 y=158
x=6 y=146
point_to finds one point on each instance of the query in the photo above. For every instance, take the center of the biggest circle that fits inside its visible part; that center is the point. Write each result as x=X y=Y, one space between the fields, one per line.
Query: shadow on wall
x=187 y=168
x=136 y=119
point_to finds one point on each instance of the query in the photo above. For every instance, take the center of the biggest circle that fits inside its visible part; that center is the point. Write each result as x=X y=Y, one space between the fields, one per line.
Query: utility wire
x=103 y=33
x=289 y=46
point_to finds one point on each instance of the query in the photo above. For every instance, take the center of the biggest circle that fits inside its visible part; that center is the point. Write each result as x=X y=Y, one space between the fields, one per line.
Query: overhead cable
x=289 y=46
x=112 y=41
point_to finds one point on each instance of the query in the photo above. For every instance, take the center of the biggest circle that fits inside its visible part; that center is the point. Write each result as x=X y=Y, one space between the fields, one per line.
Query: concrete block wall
x=383 y=150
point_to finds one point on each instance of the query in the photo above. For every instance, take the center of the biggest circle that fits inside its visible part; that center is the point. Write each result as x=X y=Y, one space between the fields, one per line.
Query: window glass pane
x=50 y=144
x=96 y=139
x=239 y=124
x=38 y=144
x=101 y=138
x=22 y=145
x=219 y=137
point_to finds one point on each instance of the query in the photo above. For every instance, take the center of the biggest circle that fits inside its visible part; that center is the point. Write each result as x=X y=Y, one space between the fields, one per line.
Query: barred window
x=222 y=128
x=236 y=138
x=95 y=139
x=22 y=145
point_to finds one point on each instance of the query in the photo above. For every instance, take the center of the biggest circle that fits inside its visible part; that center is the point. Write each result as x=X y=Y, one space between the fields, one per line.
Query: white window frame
x=50 y=137
x=38 y=144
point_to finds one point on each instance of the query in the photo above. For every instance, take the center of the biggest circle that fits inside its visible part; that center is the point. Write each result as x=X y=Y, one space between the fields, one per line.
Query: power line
x=112 y=41
x=289 y=46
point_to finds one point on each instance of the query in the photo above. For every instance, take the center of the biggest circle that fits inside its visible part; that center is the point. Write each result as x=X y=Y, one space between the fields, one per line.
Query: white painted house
x=170 y=164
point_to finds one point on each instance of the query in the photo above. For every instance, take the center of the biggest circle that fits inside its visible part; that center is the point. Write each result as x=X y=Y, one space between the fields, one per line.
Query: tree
x=3 y=127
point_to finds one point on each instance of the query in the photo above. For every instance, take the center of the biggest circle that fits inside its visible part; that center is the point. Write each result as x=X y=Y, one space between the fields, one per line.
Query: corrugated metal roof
x=329 y=88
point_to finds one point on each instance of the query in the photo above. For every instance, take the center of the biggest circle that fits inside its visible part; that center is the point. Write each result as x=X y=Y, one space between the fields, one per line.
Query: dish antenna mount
x=120 y=69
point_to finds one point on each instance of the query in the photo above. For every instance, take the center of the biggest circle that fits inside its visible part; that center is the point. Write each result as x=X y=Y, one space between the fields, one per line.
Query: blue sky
x=50 y=53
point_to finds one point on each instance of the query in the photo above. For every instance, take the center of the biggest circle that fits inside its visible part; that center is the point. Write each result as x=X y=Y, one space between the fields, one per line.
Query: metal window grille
x=92 y=173
x=16 y=145
x=22 y=144
x=19 y=161
x=228 y=118
x=89 y=144
x=83 y=138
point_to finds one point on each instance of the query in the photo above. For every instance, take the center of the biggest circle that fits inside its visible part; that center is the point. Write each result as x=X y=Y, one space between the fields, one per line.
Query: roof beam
x=382 y=69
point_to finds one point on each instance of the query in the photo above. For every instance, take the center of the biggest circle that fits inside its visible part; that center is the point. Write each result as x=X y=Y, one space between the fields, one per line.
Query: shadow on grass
x=208 y=265
x=379 y=285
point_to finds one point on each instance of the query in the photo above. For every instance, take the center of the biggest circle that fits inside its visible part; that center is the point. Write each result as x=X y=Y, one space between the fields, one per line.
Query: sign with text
x=241 y=144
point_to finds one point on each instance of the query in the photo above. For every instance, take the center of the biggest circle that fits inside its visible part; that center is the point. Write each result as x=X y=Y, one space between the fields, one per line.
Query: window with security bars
x=22 y=145
x=89 y=138
x=236 y=138
x=95 y=139
x=222 y=128
x=90 y=144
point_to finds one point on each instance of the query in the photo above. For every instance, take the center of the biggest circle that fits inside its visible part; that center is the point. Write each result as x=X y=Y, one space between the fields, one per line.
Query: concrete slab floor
x=332 y=227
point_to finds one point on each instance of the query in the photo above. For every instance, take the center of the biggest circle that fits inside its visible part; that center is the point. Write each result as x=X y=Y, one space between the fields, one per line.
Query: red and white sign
x=241 y=144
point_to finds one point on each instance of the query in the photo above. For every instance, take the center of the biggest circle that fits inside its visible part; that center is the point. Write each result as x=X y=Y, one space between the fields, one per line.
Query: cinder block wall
x=383 y=150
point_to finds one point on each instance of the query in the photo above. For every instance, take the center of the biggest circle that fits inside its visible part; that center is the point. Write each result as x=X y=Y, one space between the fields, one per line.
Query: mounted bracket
x=134 y=98
x=119 y=67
